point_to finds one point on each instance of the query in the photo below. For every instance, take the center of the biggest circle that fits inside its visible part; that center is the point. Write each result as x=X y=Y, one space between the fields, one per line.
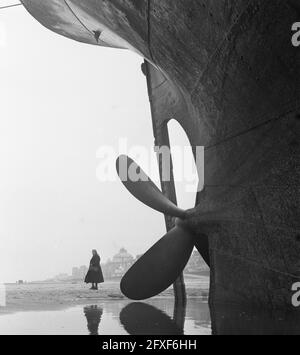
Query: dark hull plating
x=227 y=71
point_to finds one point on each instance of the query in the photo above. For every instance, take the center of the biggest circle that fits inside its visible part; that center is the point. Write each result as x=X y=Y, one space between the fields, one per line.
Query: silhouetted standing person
x=94 y=275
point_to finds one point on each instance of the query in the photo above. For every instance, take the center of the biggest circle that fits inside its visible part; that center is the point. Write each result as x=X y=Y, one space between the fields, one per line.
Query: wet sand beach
x=72 y=308
x=53 y=296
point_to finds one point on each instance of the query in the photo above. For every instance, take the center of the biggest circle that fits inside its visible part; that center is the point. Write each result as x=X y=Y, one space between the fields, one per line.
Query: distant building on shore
x=62 y=277
x=78 y=273
x=75 y=273
x=119 y=264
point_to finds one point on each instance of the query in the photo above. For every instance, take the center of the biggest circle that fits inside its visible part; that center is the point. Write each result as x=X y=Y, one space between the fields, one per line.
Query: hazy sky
x=60 y=102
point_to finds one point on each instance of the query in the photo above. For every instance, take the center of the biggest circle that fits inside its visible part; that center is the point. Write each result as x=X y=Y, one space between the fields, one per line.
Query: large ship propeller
x=144 y=189
x=161 y=265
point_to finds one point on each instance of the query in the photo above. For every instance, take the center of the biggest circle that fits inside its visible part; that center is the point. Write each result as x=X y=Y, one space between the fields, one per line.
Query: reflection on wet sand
x=93 y=316
x=157 y=316
x=179 y=314
x=144 y=319
x=117 y=317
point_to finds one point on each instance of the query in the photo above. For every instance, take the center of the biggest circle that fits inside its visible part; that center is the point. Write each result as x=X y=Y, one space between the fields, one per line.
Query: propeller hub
x=184 y=224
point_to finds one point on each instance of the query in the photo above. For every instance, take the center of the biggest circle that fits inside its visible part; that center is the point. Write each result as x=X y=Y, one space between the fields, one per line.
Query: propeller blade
x=156 y=270
x=202 y=245
x=138 y=183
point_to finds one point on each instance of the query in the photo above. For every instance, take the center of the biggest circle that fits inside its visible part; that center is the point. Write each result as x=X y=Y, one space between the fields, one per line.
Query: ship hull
x=228 y=73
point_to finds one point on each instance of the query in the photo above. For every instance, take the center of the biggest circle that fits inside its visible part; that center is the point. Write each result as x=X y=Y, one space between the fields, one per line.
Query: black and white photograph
x=149 y=170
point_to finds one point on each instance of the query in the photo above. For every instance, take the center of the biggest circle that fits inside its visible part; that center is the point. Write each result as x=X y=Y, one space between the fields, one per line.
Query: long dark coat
x=94 y=274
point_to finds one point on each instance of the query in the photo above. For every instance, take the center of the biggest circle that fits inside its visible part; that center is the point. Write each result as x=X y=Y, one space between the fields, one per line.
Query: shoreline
x=36 y=297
